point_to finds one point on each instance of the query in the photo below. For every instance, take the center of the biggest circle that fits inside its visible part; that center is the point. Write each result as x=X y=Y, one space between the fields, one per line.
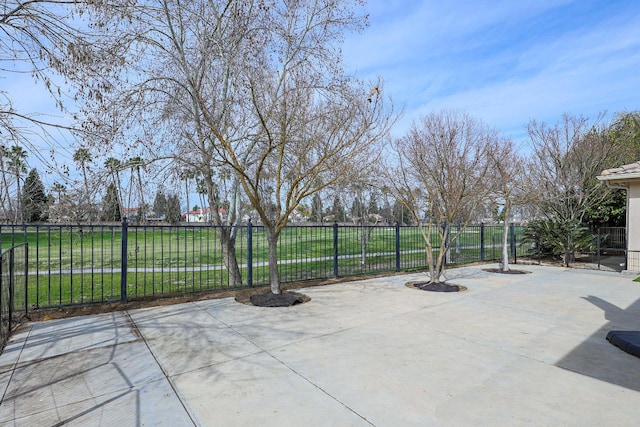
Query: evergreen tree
x=111 y=205
x=387 y=212
x=373 y=204
x=400 y=214
x=34 y=199
x=337 y=209
x=160 y=203
x=358 y=211
x=172 y=212
x=316 y=208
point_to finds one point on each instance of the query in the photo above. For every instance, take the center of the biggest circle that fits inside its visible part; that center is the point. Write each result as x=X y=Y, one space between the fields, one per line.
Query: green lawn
x=75 y=265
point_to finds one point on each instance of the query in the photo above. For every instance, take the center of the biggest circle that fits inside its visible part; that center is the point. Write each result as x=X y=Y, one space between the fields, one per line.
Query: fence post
x=26 y=278
x=335 y=249
x=446 y=243
x=598 y=248
x=397 y=246
x=249 y=253
x=482 y=255
x=11 y=286
x=123 y=261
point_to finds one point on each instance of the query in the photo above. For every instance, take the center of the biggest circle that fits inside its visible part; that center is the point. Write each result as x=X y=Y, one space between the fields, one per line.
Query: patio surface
x=511 y=350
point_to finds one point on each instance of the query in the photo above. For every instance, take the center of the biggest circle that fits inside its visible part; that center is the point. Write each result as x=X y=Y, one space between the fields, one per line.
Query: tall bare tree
x=510 y=177
x=312 y=122
x=441 y=178
x=251 y=95
x=566 y=159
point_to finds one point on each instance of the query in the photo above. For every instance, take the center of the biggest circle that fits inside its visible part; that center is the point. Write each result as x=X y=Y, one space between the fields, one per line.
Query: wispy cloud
x=504 y=62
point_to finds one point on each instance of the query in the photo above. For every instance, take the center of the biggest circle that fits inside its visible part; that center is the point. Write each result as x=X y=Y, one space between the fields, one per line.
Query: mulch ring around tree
x=262 y=297
x=510 y=271
x=436 y=287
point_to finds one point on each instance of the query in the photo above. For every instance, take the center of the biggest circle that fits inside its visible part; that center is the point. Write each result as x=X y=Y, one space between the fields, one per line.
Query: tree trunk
x=505 y=237
x=229 y=255
x=505 y=247
x=435 y=265
x=365 y=234
x=274 y=275
x=225 y=235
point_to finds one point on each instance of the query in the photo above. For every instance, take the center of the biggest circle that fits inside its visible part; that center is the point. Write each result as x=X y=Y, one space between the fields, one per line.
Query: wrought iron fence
x=13 y=289
x=633 y=261
x=82 y=264
x=611 y=242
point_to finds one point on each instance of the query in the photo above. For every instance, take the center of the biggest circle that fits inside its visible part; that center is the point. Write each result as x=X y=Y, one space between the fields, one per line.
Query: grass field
x=82 y=264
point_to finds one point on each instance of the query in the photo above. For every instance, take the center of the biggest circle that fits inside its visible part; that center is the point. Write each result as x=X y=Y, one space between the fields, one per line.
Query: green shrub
x=561 y=239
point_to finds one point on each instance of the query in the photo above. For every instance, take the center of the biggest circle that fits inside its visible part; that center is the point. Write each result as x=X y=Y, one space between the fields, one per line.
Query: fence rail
x=81 y=264
x=13 y=289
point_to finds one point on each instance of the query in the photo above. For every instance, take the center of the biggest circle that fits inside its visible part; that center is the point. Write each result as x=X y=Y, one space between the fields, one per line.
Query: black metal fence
x=82 y=264
x=13 y=289
x=611 y=244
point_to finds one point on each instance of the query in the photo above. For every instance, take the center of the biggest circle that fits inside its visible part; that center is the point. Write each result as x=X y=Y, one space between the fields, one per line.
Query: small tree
x=441 y=178
x=160 y=203
x=337 y=210
x=172 y=213
x=567 y=157
x=34 y=199
x=316 y=209
x=559 y=238
x=111 y=205
x=509 y=176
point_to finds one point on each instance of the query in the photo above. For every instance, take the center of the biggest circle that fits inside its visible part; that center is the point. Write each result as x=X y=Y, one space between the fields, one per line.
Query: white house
x=627 y=177
x=202 y=215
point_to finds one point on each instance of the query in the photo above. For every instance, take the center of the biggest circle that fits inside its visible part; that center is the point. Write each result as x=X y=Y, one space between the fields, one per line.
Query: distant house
x=130 y=213
x=202 y=215
x=627 y=177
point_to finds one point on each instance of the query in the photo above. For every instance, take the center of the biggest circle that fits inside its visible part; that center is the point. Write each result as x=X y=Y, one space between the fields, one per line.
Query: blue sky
x=505 y=62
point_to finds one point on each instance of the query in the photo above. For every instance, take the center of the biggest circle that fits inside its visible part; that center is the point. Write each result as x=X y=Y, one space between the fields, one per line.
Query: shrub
x=559 y=238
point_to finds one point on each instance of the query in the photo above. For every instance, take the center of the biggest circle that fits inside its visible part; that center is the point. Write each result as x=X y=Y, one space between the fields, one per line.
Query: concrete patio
x=511 y=350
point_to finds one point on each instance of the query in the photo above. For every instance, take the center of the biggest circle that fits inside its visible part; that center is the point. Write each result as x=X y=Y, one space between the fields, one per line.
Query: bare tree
x=511 y=187
x=69 y=47
x=251 y=95
x=183 y=93
x=313 y=123
x=566 y=159
x=441 y=178
x=362 y=214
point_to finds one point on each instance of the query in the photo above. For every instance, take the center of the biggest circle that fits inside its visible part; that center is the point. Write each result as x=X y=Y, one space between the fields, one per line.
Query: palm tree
x=186 y=175
x=135 y=163
x=59 y=188
x=115 y=166
x=18 y=166
x=82 y=156
x=5 y=154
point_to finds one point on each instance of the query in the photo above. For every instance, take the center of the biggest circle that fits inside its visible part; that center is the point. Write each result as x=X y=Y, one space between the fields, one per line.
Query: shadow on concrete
x=597 y=358
x=70 y=379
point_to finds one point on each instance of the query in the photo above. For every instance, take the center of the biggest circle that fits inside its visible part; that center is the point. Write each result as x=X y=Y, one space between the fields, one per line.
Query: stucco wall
x=633 y=226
